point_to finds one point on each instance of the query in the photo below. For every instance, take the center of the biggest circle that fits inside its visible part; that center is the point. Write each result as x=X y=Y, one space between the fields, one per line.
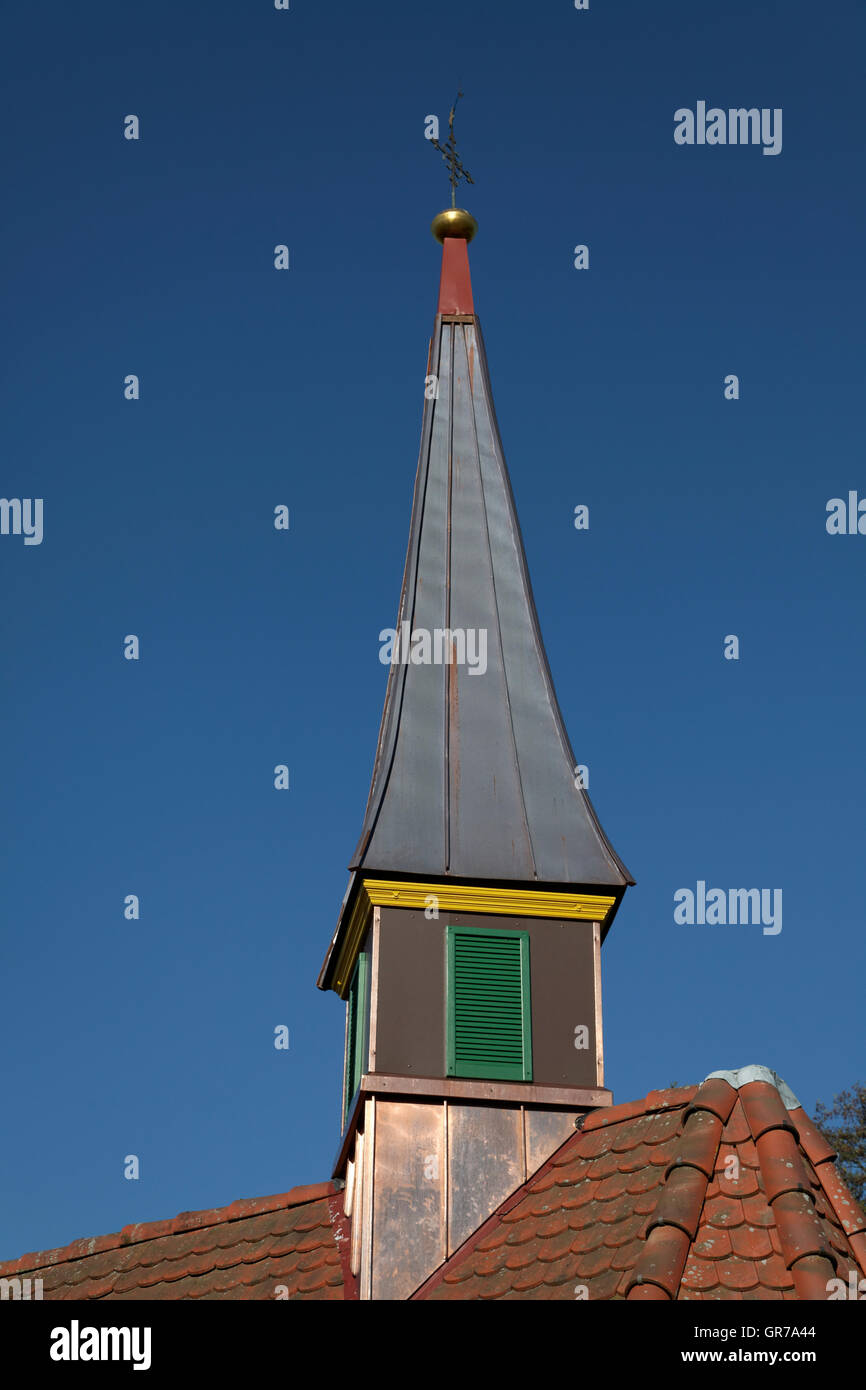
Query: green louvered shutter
x=356 y=1030
x=489 y=1014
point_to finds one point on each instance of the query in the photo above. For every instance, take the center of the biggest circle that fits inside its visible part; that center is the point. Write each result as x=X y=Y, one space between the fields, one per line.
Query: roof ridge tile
x=613 y=1115
x=155 y=1230
x=698 y=1145
x=660 y=1263
x=782 y=1166
x=803 y=1237
x=681 y=1202
x=715 y=1095
x=670 y=1098
x=848 y=1211
x=764 y=1108
x=816 y=1146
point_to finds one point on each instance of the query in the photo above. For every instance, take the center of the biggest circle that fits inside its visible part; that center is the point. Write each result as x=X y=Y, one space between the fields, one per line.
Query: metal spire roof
x=474 y=774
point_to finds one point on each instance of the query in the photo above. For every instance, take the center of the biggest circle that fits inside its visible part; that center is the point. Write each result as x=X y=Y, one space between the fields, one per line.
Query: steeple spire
x=468 y=947
x=474 y=774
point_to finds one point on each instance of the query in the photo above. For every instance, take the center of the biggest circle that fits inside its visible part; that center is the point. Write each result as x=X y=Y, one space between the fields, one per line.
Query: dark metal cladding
x=474 y=773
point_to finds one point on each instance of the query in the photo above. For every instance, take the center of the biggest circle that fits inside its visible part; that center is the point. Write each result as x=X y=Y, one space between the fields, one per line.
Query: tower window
x=356 y=1033
x=489 y=1030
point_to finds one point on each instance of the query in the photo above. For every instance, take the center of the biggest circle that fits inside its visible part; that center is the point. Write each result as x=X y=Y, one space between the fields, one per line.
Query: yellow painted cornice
x=458 y=897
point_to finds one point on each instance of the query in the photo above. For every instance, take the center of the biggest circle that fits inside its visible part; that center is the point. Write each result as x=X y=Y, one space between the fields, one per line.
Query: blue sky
x=707 y=517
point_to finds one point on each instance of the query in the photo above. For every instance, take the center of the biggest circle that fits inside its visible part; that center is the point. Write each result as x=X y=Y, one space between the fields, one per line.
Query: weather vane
x=451 y=157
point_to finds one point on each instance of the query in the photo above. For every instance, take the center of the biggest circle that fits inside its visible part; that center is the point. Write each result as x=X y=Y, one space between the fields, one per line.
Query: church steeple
x=474 y=774
x=468 y=943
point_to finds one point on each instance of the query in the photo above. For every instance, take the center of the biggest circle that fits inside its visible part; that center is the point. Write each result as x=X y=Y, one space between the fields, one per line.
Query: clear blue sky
x=707 y=517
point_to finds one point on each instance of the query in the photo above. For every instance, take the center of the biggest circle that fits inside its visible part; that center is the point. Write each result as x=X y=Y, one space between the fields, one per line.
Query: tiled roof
x=711 y=1192
x=243 y=1251
x=724 y=1190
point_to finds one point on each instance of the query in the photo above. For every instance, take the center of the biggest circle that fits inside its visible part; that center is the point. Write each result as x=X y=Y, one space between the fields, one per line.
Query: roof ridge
x=138 y=1232
x=822 y=1156
x=670 y=1099
x=808 y=1254
x=670 y=1233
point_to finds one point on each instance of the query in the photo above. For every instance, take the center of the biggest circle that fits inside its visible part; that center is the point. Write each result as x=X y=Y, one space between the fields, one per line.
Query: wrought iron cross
x=451 y=157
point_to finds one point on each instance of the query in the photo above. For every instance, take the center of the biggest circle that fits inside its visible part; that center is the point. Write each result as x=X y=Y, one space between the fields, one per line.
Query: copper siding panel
x=408 y=1214
x=481 y=1139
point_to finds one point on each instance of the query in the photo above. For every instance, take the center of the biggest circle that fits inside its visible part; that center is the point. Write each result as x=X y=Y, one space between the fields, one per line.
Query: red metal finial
x=455 y=285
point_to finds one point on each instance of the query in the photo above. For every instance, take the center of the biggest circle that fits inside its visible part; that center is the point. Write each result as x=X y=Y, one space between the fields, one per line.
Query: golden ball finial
x=456 y=222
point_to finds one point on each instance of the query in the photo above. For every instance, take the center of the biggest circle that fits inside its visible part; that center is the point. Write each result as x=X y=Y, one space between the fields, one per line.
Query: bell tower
x=468 y=945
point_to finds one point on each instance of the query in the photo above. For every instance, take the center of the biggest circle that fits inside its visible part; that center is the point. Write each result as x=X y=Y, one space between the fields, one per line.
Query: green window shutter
x=489 y=1012
x=356 y=1033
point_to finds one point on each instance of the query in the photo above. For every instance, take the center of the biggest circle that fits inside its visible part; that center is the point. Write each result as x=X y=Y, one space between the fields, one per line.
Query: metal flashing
x=742 y=1076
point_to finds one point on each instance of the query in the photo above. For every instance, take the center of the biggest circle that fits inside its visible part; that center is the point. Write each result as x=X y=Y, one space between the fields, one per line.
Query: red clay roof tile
x=662 y=1259
x=811 y=1276
x=624 y=1258
x=605 y=1284
x=613 y=1115
x=724 y=1211
x=736 y=1131
x=847 y=1212
x=529 y=1279
x=682 y=1201
x=624 y=1232
x=757 y=1213
x=764 y=1108
x=813 y=1142
x=751 y=1242
x=646 y=1202
x=782 y=1168
x=700 y=1274
x=801 y=1230
x=554 y=1248
x=698 y=1145
x=646 y=1180
x=744 y=1185
x=668 y=1099
x=858 y=1248
x=716 y=1096
x=588 y=1239
x=773 y=1272
x=592 y=1267
x=711 y=1244
x=735 y=1273
x=635 y=1160
x=603 y=1167
x=580 y=1195
x=648 y=1293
